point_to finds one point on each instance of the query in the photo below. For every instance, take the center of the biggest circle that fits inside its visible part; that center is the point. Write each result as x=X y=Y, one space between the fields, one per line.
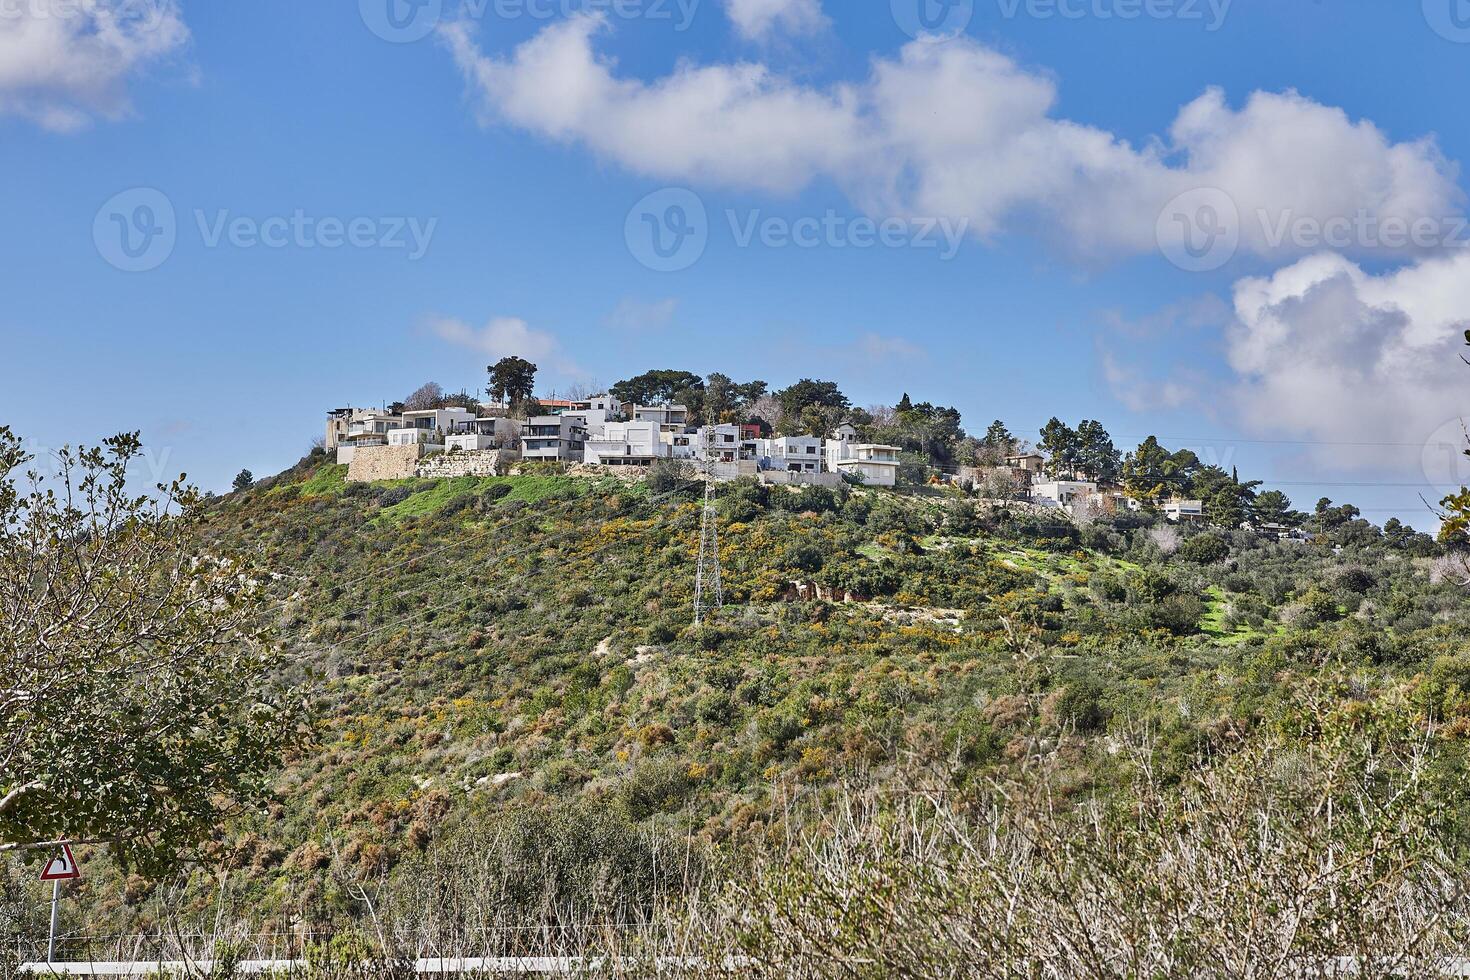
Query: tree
x=819 y=420
x=722 y=399
x=461 y=399
x=1059 y=442
x=135 y=708
x=809 y=392
x=655 y=387
x=1096 y=455
x=996 y=445
x=244 y=480
x=1454 y=526
x=1274 y=507
x=512 y=380
x=1227 y=501
x=1147 y=472
x=426 y=397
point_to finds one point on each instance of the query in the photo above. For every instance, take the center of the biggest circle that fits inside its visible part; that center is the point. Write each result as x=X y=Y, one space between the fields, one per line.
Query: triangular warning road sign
x=63 y=867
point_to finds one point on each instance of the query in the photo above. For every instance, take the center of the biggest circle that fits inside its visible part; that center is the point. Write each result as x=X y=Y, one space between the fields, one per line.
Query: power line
x=707 y=573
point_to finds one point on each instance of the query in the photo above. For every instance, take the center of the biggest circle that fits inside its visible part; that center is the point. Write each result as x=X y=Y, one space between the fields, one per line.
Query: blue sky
x=515 y=145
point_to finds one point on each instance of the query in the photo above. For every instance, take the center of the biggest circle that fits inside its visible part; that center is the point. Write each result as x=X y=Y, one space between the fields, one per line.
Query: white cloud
x=1326 y=351
x=506 y=337
x=956 y=130
x=634 y=314
x=759 y=19
x=64 y=63
x=729 y=124
x=882 y=350
x=1140 y=393
x=1181 y=319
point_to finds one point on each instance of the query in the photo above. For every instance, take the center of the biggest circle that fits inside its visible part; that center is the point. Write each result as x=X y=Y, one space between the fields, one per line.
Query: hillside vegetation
x=503 y=675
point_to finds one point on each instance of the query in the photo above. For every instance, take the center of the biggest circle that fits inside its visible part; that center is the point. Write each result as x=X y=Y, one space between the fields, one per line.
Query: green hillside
x=485 y=652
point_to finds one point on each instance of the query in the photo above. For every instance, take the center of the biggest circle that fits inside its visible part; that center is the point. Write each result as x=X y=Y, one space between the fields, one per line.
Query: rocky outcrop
x=808 y=591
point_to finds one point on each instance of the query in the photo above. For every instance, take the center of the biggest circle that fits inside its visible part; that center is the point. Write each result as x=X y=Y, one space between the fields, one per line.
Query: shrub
x=1206 y=549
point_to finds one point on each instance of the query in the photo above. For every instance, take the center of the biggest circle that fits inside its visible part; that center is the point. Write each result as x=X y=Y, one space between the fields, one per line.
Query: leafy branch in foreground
x=134 y=703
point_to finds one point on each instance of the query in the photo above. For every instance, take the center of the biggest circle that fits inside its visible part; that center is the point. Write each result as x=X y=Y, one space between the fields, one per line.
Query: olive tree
x=136 y=707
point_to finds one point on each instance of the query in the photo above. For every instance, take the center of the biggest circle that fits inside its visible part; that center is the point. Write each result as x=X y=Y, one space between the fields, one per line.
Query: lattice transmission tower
x=709 y=593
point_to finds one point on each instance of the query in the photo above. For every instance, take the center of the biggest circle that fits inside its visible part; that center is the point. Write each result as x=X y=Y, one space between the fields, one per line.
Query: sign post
x=63 y=867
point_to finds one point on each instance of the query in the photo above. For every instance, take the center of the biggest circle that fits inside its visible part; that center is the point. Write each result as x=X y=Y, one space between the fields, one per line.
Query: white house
x=1062 y=493
x=483 y=433
x=594 y=420
x=793 y=454
x=668 y=416
x=1183 y=510
x=550 y=438
x=625 y=444
x=605 y=403
x=359 y=427
x=874 y=463
x=724 y=442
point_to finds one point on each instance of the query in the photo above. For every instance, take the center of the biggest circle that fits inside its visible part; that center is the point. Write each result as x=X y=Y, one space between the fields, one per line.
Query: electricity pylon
x=709 y=593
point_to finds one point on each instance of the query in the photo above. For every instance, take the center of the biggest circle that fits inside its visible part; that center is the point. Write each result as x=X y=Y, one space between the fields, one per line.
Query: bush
x=396 y=495
x=669 y=475
x=1206 y=549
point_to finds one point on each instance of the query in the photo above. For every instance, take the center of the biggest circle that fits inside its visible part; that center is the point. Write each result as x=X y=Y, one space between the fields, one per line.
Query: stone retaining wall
x=372 y=463
x=478 y=462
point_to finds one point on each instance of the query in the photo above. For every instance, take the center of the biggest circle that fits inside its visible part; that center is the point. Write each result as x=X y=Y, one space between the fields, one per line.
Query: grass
x=434 y=497
x=328 y=481
x=1212 y=623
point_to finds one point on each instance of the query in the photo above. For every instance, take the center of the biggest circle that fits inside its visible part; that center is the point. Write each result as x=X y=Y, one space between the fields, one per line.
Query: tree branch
x=13 y=797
